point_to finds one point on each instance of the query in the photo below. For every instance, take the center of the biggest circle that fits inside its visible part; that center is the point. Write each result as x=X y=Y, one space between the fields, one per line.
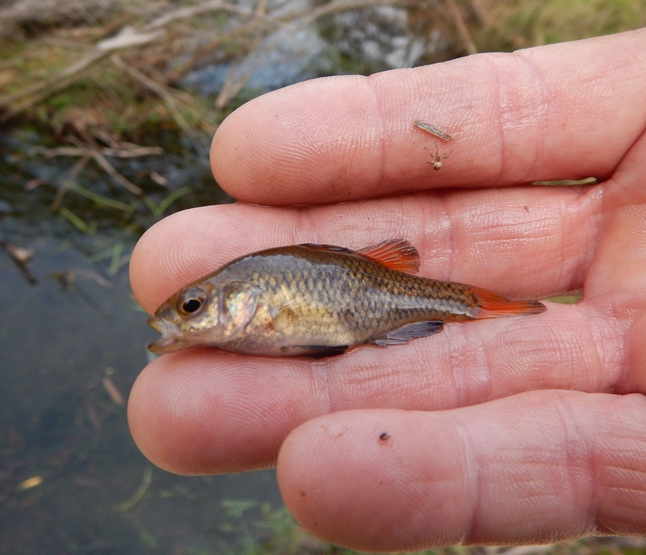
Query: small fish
x=319 y=300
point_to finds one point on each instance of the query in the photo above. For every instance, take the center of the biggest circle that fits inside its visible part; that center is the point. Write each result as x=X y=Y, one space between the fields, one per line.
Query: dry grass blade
x=85 y=151
x=113 y=391
x=461 y=27
x=185 y=13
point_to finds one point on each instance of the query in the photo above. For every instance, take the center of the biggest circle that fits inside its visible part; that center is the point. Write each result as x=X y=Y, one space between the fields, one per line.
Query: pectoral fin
x=239 y=300
x=407 y=333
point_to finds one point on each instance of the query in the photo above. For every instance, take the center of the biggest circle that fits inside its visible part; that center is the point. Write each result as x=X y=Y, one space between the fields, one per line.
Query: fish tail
x=493 y=305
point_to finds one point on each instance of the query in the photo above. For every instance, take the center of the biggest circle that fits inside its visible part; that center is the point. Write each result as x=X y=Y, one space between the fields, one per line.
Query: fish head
x=210 y=314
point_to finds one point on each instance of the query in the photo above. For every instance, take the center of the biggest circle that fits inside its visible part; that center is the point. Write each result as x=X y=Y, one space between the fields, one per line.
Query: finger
x=566 y=111
x=205 y=411
x=533 y=468
x=519 y=242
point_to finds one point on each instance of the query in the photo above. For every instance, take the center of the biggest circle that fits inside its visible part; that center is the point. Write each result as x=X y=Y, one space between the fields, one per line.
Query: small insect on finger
x=438 y=161
x=437 y=132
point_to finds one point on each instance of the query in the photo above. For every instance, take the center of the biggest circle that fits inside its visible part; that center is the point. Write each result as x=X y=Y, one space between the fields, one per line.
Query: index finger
x=535 y=116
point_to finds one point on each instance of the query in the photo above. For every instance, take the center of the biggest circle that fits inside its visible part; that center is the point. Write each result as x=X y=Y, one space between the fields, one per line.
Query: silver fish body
x=318 y=300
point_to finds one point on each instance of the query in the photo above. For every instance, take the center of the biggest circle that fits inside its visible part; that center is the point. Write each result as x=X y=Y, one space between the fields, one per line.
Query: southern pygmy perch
x=319 y=300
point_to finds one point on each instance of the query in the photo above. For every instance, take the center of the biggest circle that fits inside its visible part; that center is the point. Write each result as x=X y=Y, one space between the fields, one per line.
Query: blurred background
x=107 y=109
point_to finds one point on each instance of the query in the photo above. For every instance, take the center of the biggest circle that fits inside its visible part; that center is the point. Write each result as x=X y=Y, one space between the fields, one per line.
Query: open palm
x=513 y=430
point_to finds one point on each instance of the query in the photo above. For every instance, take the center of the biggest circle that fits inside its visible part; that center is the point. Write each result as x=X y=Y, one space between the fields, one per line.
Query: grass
x=524 y=23
x=281 y=535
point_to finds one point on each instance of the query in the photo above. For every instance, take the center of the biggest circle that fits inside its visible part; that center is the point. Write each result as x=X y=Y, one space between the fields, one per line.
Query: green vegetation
x=280 y=535
x=524 y=23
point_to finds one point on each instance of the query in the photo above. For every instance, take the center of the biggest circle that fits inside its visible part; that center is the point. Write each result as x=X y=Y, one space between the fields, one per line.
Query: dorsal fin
x=396 y=254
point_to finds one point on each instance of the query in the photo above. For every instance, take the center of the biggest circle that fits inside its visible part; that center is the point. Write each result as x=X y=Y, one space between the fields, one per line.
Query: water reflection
x=60 y=346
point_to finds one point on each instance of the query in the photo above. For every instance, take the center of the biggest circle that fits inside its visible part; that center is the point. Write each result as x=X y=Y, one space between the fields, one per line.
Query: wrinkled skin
x=517 y=430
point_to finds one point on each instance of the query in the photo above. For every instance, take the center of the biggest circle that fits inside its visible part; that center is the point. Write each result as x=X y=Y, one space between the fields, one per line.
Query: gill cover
x=237 y=304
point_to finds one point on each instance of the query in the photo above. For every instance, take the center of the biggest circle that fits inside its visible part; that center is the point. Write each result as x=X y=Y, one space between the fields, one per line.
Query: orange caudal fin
x=396 y=254
x=493 y=305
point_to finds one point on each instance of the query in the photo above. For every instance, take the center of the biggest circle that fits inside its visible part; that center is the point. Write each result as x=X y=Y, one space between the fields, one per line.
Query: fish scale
x=318 y=300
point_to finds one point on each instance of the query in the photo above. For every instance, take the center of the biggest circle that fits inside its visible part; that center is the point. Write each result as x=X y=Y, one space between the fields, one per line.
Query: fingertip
x=144 y=420
x=179 y=421
x=351 y=478
x=204 y=411
x=164 y=434
x=144 y=263
x=300 y=143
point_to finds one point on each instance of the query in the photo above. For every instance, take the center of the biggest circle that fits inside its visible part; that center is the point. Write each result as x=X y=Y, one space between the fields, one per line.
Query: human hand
x=502 y=431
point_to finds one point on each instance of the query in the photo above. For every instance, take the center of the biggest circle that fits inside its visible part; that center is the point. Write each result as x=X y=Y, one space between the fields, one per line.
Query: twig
x=69 y=277
x=229 y=88
x=71 y=175
x=109 y=168
x=185 y=13
x=467 y=41
x=127 y=37
x=480 y=13
x=337 y=6
x=127 y=150
x=86 y=152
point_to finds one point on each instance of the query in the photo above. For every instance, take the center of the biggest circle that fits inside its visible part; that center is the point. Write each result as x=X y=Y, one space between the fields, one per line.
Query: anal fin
x=314 y=351
x=407 y=333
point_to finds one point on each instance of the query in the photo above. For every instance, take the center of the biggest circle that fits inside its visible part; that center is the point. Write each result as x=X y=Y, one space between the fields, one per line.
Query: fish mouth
x=171 y=339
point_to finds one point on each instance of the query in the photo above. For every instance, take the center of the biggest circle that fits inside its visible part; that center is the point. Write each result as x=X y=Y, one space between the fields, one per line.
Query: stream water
x=72 y=341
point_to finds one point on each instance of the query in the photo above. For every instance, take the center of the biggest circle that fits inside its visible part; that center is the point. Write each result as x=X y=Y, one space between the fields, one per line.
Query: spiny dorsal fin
x=396 y=254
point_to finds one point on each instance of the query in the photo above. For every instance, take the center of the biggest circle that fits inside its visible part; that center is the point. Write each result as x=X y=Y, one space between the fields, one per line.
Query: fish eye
x=191 y=302
x=192 y=305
